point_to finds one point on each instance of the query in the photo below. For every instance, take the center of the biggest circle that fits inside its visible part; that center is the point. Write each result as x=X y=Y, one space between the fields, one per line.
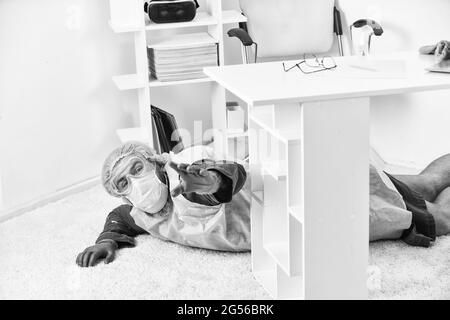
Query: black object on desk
x=376 y=27
x=165 y=129
x=167 y=11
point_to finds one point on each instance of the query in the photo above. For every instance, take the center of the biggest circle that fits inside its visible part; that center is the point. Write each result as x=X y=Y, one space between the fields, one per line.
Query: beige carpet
x=38 y=251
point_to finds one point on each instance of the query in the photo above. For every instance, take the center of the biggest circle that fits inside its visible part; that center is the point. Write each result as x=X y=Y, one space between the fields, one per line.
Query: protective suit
x=218 y=227
x=218 y=222
x=388 y=215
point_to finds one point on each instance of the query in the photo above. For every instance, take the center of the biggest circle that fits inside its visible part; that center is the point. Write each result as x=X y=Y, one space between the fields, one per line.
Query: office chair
x=288 y=28
x=283 y=28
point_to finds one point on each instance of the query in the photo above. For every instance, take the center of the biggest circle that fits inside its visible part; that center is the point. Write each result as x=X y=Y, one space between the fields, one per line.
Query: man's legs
x=432 y=180
x=433 y=183
x=440 y=210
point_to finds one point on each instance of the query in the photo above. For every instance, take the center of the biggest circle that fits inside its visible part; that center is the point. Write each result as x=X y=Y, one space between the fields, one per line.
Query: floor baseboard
x=42 y=201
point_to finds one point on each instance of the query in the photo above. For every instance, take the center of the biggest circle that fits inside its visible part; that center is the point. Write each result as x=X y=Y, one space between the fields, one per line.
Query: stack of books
x=182 y=57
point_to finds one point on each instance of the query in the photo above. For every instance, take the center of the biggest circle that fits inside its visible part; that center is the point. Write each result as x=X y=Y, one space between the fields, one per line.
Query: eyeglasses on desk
x=312 y=64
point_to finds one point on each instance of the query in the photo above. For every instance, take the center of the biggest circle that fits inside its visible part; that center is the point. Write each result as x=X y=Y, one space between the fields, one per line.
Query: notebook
x=374 y=68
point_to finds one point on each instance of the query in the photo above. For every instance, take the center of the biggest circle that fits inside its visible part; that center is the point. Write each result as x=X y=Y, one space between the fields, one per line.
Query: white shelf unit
x=128 y=16
x=277 y=201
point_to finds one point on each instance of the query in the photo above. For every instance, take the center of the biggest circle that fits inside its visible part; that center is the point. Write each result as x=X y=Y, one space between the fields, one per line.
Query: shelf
x=280 y=253
x=265 y=121
x=129 y=82
x=157 y=83
x=201 y=19
x=236 y=135
x=258 y=196
x=133 y=134
x=275 y=169
x=125 y=28
x=180 y=41
x=289 y=287
x=133 y=81
x=268 y=279
x=232 y=16
x=297 y=213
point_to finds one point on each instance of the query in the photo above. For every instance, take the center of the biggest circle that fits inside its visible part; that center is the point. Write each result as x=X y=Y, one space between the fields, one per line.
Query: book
x=182 y=57
x=190 y=40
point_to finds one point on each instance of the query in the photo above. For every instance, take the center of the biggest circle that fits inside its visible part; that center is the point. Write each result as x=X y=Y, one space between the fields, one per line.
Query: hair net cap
x=128 y=149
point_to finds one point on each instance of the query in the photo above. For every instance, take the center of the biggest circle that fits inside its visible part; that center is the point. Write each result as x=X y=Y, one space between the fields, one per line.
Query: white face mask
x=148 y=193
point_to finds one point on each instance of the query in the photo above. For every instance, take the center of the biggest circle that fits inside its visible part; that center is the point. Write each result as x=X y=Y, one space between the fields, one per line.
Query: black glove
x=195 y=178
x=91 y=255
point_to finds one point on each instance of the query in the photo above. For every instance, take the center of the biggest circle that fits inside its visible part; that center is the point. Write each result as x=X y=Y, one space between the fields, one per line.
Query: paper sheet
x=367 y=68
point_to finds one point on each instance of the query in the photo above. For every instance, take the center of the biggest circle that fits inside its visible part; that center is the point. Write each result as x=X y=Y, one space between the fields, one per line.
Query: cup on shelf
x=235 y=118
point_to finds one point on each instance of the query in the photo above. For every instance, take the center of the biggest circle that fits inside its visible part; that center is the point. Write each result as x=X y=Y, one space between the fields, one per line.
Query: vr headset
x=166 y=11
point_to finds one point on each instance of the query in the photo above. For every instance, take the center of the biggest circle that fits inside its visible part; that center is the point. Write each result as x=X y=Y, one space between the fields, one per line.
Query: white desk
x=310 y=206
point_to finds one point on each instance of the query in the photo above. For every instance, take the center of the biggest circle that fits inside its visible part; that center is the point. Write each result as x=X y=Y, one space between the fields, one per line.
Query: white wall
x=57 y=100
x=60 y=108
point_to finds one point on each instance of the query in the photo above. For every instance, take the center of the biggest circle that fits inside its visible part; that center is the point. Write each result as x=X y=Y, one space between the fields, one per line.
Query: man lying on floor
x=207 y=208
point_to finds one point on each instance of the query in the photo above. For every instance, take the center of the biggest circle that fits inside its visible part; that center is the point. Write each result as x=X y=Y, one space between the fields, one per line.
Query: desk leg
x=219 y=118
x=336 y=198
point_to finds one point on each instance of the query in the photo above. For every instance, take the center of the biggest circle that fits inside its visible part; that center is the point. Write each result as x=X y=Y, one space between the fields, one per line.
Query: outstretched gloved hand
x=195 y=178
x=91 y=255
